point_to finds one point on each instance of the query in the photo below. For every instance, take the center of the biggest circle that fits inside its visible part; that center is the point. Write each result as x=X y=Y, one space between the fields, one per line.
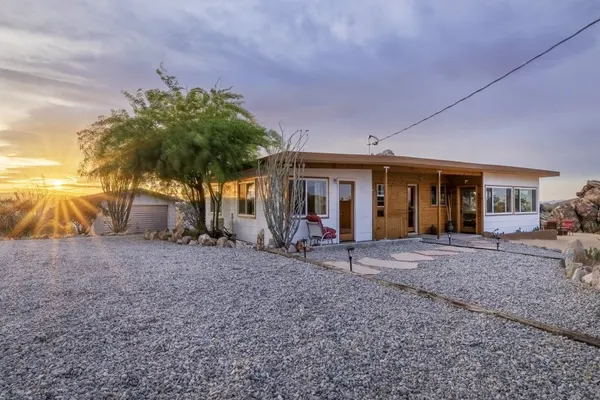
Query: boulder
x=147 y=234
x=179 y=241
x=193 y=242
x=564 y=211
x=595 y=281
x=587 y=279
x=571 y=268
x=154 y=235
x=292 y=249
x=177 y=235
x=225 y=242
x=186 y=240
x=578 y=274
x=591 y=192
x=206 y=240
x=164 y=235
x=574 y=253
x=260 y=240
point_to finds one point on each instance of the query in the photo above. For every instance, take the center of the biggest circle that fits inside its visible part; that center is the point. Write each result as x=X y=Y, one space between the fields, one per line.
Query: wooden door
x=468 y=210
x=346 y=210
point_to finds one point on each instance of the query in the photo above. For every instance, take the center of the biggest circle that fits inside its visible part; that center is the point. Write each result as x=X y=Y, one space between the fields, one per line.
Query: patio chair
x=317 y=233
x=568 y=225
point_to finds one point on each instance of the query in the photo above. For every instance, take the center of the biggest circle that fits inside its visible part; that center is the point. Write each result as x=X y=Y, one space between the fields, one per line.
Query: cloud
x=342 y=70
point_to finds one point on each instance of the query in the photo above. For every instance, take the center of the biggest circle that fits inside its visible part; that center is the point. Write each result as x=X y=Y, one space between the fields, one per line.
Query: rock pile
x=584 y=210
x=578 y=266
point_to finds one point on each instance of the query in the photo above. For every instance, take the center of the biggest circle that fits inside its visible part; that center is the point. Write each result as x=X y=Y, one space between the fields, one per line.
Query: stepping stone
x=374 y=262
x=359 y=269
x=437 y=253
x=411 y=257
x=456 y=249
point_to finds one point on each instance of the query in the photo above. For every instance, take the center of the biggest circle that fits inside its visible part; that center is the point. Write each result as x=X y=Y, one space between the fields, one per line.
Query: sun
x=57 y=184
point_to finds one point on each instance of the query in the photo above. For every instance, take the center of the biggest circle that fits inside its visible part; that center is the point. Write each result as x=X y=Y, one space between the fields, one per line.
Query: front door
x=468 y=209
x=346 y=211
x=412 y=208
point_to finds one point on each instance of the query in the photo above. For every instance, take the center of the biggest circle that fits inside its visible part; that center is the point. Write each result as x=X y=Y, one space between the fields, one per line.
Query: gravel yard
x=121 y=318
x=531 y=287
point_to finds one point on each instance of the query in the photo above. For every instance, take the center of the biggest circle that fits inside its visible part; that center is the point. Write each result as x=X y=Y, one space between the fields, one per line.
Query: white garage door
x=148 y=217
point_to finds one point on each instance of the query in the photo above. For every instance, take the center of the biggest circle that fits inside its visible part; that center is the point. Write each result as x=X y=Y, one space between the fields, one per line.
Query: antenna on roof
x=372 y=140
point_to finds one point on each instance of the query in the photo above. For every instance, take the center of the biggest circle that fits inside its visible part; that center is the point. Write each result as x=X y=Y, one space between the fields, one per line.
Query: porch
x=407 y=202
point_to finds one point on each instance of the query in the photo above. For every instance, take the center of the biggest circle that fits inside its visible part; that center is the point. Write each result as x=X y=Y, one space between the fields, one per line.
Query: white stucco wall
x=509 y=223
x=142 y=200
x=247 y=228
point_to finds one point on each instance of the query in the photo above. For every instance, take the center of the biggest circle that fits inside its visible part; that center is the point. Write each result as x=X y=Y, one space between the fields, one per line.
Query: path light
x=497 y=242
x=450 y=238
x=304 y=246
x=350 y=251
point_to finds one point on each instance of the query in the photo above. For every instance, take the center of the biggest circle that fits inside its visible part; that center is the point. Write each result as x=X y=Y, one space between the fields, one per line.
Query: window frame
x=246 y=183
x=444 y=190
x=509 y=201
x=327 y=198
x=535 y=207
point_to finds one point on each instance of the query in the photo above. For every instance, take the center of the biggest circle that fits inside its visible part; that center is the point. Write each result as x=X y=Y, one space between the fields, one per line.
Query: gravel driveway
x=531 y=287
x=120 y=318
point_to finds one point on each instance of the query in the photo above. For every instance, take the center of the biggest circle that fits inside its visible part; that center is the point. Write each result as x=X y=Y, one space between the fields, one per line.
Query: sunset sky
x=343 y=70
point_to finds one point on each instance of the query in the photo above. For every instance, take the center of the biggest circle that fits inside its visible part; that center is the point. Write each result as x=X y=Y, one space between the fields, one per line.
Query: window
x=525 y=200
x=315 y=195
x=246 y=197
x=434 y=195
x=498 y=200
x=380 y=200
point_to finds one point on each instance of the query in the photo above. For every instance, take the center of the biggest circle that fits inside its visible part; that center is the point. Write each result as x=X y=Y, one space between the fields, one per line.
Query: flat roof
x=414 y=162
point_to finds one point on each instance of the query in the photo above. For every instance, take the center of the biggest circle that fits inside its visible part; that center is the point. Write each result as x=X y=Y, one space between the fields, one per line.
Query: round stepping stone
x=374 y=262
x=411 y=257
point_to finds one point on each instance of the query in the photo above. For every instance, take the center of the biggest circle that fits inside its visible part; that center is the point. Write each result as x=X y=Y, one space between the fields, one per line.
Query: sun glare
x=57 y=184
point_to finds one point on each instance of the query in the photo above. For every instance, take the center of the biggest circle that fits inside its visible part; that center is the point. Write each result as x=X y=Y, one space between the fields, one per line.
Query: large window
x=246 y=198
x=434 y=196
x=315 y=193
x=498 y=200
x=525 y=200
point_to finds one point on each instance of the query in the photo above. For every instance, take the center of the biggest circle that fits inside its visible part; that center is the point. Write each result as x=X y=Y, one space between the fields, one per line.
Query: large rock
x=591 y=192
x=595 y=281
x=193 y=243
x=177 y=235
x=154 y=235
x=147 y=234
x=164 y=235
x=206 y=240
x=575 y=257
x=186 y=240
x=584 y=210
x=578 y=274
x=225 y=242
x=292 y=249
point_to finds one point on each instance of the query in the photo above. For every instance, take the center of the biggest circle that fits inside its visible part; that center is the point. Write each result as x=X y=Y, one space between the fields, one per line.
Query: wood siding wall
x=427 y=214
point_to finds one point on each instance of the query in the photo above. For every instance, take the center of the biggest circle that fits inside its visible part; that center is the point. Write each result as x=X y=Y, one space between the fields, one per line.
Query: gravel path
x=531 y=287
x=121 y=318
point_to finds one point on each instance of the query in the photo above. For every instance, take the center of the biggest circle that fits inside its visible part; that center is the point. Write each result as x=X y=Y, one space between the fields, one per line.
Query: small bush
x=191 y=232
x=593 y=255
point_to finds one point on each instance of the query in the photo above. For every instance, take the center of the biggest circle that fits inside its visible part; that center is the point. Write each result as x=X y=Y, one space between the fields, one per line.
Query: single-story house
x=372 y=197
x=150 y=210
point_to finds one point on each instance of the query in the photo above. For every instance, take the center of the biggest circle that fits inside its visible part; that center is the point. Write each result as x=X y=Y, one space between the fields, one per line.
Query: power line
x=494 y=81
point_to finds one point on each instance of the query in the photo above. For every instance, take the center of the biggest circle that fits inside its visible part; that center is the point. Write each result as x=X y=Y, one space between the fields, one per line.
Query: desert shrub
x=193 y=233
x=593 y=255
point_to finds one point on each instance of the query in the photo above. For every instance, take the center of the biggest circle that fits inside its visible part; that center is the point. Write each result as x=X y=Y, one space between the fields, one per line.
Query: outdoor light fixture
x=350 y=251
x=304 y=246
x=498 y=243
x=450 y=238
